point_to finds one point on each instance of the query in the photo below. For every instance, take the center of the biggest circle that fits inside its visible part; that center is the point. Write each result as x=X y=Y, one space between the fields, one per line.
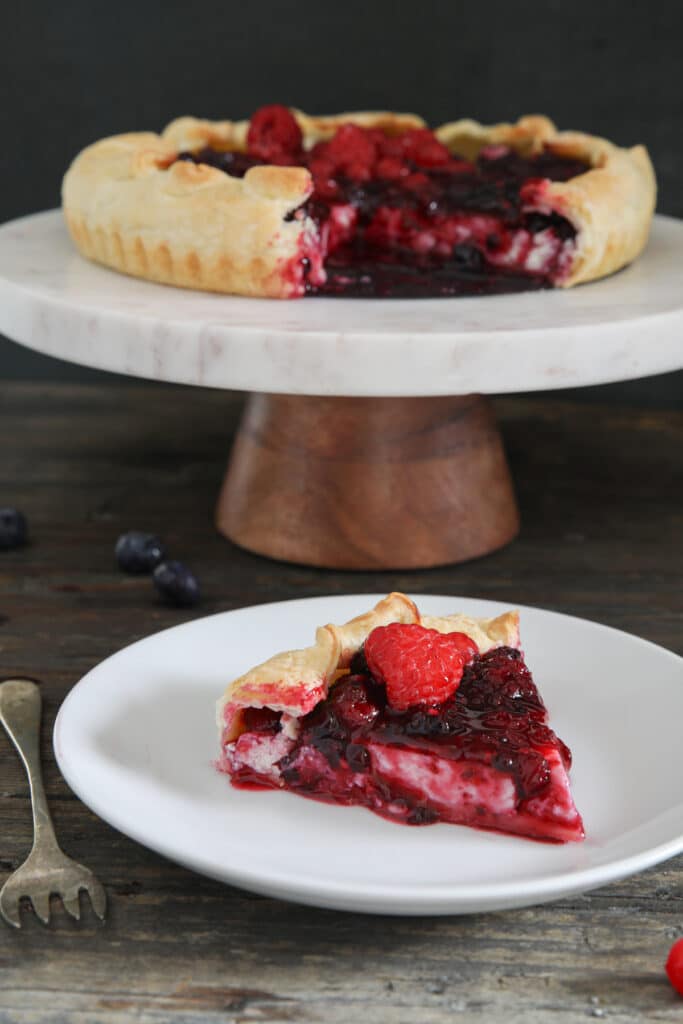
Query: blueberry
x=422 y=816
x=139 y=552
x=468 y=257
x=13 y=531
x=357 y=757
x=534 y=222
x=176 y=584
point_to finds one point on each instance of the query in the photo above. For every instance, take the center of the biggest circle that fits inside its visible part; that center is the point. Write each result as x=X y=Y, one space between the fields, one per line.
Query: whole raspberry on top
x=423 y=148
x=417 y=665
x=353 y=152
x=274 y=135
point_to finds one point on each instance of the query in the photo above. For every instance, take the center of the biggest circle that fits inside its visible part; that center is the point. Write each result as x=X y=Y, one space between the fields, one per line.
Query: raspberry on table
x=674 y=966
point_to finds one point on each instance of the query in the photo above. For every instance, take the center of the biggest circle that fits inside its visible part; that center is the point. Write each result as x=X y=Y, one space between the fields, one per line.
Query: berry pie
x=419 y=719
x=366 y=204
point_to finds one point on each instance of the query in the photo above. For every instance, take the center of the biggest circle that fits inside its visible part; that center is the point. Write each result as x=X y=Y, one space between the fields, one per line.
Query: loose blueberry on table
x=176 y=584
x=422 y=727
x=13 y=529
x=399 y=215
x=138 y=552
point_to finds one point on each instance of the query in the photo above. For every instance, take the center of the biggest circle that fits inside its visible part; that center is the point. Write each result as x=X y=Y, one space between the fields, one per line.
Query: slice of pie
x=419 y=719
x=368 y=204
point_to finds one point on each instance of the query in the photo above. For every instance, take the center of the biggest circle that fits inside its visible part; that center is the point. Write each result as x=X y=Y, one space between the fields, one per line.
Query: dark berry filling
x=495 y=716
x=364 y=271
x=234 y=163
x=402 y=216
x=495 y=722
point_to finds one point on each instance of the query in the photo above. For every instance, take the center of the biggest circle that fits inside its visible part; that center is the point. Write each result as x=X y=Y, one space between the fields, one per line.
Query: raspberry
x=415 y=181
x=388 y=145
x=460 y=167
x=389 y=167
x=674 y=966
x=351 y=147
x=352 y=703
x=423 y=148
x=274 y=135
x=322 y=171
x=417 y=665
x=317 y=151
x=358 y=171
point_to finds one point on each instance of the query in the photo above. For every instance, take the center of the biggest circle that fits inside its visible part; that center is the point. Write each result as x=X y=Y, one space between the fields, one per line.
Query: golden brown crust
x=393 y=608
x=611 y=206
x=293 y=682
x=130 y=206
x=527 y=136
x=319 y=129
x=187 y=133
x=502 y=631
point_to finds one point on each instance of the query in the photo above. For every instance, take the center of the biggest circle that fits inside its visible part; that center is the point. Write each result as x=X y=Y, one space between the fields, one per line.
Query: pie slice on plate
x=369 y=204
x=419 y=719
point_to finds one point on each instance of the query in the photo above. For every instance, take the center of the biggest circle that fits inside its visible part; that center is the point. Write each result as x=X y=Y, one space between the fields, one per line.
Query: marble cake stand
x=366 y=442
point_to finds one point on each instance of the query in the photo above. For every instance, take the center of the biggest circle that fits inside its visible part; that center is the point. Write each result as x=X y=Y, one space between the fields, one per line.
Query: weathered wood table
x=601 y=495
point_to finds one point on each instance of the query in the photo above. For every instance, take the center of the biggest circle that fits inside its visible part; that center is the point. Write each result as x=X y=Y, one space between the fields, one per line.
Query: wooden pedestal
x=368 y=483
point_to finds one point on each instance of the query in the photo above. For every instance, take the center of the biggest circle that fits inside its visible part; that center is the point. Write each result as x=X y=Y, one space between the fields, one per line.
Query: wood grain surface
x=381 y=483
x=600 y=489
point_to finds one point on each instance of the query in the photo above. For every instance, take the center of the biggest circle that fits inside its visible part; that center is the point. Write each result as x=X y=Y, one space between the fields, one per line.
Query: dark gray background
x=73 y=71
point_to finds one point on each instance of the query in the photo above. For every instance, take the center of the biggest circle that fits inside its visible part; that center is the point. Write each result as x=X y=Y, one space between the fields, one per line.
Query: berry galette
x=419 y=719
x=369 y=204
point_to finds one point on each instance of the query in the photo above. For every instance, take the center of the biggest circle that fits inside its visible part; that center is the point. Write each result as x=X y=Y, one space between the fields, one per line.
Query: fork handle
x=20 y=708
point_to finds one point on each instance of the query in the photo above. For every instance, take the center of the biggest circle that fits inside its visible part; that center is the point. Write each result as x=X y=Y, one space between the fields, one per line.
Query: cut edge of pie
x=131 y=204
x=495 y=763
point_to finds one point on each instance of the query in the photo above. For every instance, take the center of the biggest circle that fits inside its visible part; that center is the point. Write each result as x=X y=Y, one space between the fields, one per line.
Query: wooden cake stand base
x=368 y=483
x=352 y=482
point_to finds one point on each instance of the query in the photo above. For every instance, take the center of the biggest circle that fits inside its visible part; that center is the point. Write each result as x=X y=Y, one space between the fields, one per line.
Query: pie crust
x=383 y=713
x=130 y=205
x=295 y=681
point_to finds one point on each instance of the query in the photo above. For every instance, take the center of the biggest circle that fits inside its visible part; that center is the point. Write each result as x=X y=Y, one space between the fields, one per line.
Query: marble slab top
x=629 y=325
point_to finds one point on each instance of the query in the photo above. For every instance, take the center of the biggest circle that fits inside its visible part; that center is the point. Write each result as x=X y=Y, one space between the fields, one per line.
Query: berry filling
x=480 y=752
x=399 y=215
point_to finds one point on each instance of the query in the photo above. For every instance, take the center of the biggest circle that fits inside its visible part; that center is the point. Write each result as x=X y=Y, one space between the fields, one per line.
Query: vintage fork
x=46 y=870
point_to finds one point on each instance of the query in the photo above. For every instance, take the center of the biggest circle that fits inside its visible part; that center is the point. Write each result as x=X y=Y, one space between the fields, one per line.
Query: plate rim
x=427 y=898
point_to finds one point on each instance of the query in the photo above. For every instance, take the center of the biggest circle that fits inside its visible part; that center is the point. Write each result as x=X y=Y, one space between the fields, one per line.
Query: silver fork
x=46 y=871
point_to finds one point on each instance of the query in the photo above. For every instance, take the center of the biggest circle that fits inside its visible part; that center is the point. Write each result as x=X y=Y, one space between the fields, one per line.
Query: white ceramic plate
x=136 y=737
